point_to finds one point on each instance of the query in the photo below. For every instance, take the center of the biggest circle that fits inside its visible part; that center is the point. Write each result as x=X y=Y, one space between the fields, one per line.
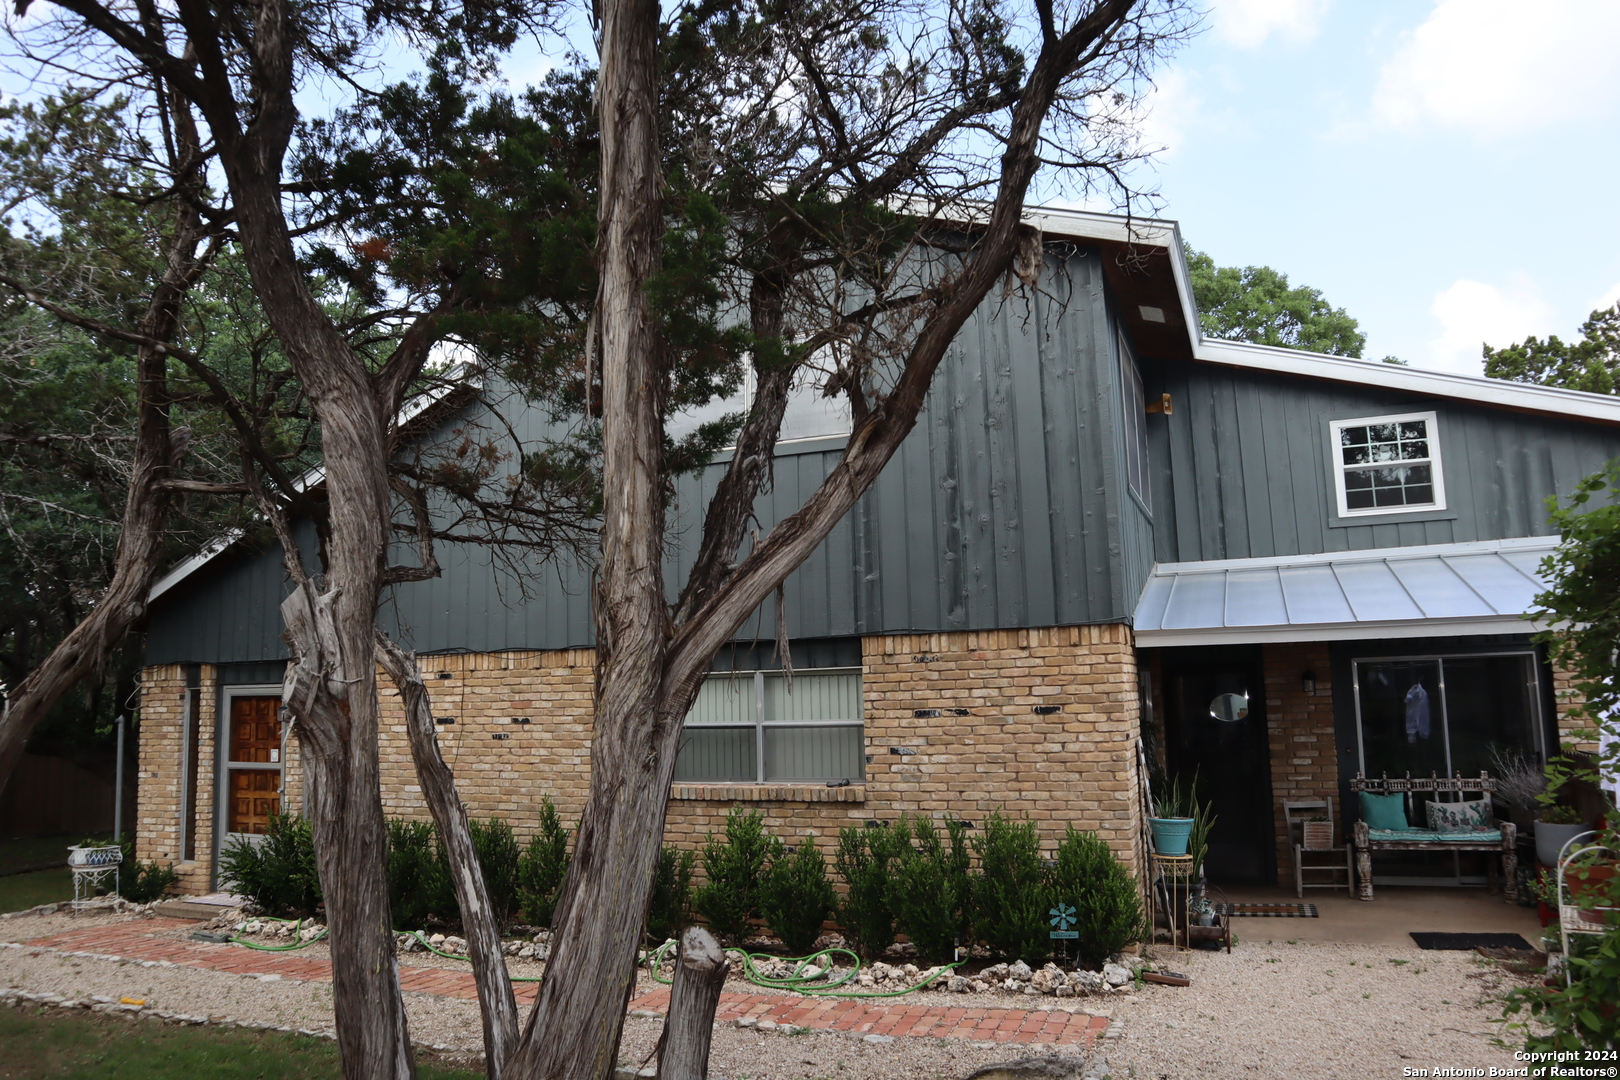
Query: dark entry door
x=1216 y=725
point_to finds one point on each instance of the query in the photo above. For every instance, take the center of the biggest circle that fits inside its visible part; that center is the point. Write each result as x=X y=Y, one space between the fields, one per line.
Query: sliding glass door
x=1447 y=714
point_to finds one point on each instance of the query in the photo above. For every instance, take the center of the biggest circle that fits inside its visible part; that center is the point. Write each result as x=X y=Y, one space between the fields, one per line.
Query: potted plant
x=1556 y=824
x=92 y=854
x=1172 y=821
x=1318 y=833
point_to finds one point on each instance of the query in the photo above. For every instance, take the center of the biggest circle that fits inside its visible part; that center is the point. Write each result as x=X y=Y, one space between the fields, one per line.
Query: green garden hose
x=798 y=982
x=417 y=934
x=298 y=924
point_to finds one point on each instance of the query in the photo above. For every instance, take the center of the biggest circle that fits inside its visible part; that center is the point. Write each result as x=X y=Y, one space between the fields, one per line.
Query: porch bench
x=1501 y=838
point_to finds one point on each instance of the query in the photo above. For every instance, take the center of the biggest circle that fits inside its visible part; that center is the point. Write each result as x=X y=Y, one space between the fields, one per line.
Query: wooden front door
x=255 y=738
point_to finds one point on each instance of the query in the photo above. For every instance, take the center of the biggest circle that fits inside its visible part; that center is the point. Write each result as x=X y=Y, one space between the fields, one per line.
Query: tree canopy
x=1257 y=304
x=1591 y=364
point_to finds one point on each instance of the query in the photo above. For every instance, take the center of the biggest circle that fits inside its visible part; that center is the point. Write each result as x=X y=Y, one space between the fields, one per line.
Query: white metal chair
x=1332 y=860
x=1569 y=914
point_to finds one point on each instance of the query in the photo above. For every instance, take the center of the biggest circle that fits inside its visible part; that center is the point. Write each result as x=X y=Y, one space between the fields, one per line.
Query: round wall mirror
x=1229 y=708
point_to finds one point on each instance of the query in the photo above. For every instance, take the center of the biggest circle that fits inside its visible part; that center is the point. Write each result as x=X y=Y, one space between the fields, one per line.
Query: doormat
x=1468 y=942
x=1269 y=911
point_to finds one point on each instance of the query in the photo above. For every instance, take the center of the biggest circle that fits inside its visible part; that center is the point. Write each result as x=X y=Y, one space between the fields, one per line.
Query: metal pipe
x=118 y=786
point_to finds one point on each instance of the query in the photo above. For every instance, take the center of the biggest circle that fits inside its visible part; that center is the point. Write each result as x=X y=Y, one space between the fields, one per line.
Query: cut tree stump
x=700 y=972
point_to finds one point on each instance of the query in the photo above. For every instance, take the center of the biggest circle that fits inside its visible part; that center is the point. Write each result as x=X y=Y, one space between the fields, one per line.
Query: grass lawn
x=21 y=891
x=32 y=850
x=50 y=1044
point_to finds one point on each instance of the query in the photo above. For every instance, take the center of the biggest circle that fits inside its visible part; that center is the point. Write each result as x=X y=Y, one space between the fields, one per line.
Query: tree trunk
x=574 y=1031
x=497 y=1004
x=700 y=972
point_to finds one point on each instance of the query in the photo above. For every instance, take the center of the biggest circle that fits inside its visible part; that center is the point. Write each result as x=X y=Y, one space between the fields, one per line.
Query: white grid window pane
x=1388 y=464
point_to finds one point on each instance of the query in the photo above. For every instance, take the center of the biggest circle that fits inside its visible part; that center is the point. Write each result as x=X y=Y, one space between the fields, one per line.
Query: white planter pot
x=1550 y=839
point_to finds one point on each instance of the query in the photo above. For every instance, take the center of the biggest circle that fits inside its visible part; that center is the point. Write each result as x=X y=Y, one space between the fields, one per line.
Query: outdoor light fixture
x=1308 y=682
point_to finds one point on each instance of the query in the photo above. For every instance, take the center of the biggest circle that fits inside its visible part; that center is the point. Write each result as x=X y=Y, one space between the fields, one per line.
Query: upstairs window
x=1136 y=448
x=1387 y=464
x=750 y=727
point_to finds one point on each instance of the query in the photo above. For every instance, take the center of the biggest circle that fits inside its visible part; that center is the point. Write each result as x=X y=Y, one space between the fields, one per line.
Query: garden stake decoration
x=1063 y=917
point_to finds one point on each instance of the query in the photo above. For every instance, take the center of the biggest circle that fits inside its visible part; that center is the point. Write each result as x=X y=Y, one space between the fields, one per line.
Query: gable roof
x=1146 y=268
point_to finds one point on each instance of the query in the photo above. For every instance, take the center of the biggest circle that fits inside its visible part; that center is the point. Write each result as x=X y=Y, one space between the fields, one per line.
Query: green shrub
x=1010 y=908
x=670 y=910
x=498 y=858
x=143 y=882
x=930 y=887
x=1108 y=908
x=542 y=867
x=277 y=869
x=419 y=883
x=863 y=860
x=734 y=868
x=795 y=897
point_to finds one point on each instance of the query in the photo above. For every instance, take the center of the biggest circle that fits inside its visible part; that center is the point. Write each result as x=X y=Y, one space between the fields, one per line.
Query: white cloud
x=1168 y=112
x=1471 y=313
x=1608 y=299
x=1498 y=66
x=1248 y=23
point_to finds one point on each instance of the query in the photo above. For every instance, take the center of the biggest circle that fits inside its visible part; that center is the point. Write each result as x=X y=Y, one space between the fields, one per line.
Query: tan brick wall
x=1300 y=729
x=162 y=769
x=1566 y=699
x=984 y=748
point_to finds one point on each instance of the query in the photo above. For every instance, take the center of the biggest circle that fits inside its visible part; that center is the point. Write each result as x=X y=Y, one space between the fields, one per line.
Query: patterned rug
x=1269 y=911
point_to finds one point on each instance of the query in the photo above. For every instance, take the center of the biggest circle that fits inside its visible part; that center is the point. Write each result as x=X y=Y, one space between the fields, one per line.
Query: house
x=1104 y=525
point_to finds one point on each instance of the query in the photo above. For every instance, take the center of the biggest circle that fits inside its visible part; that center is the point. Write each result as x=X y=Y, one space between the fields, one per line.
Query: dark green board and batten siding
x=1003 y=509
x=1241 y=469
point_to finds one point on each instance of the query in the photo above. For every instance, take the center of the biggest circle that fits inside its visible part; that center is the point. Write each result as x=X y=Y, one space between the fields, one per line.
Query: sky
x=1444 y=171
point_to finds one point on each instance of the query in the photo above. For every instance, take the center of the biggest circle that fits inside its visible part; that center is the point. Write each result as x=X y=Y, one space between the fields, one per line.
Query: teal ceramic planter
x=1170 y=835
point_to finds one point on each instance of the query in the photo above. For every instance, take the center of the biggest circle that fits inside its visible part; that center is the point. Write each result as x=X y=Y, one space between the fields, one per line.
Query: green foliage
x=1591 y=364
x=277 y=869
x=864 y=859
x=795 y=897
x=1010 y=894
x=1257 y=304
x=143 y=882
x=931 y=886
x=542 y=867
x=734 y=869
x=419 y=883
x=498 y=858
x=670 y=909
x=1108 y=908
x=1580 y=1016
x=1582 y=602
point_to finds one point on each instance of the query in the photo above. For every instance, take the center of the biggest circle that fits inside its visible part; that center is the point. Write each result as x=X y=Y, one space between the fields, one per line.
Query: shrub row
x=919 y=879
x=930 y=881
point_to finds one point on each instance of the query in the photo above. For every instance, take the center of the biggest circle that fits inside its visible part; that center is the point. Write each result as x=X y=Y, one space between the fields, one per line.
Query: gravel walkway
x=1266 y=1010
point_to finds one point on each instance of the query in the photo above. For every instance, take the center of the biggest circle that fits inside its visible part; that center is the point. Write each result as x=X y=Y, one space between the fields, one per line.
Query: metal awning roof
x=1435 y=590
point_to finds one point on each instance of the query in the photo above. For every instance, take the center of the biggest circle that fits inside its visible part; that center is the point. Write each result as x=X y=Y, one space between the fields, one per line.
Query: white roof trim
x=1476 y=388
x=460 y=373
x=1251 y=635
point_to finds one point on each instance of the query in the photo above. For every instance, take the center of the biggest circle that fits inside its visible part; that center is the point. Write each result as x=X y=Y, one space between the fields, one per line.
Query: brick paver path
x=153 y=940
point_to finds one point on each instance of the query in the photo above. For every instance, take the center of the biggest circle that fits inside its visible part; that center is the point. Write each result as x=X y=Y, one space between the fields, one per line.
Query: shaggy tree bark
x=496 y=1002
x=700 y=973
x=649 y=667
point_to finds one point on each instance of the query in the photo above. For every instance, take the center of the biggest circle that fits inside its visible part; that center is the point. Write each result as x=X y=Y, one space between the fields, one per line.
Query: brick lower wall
x=1040 y=721
x=1300 y=728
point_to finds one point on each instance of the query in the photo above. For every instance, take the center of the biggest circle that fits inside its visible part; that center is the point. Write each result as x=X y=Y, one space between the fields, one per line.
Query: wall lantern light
x=1308 y=682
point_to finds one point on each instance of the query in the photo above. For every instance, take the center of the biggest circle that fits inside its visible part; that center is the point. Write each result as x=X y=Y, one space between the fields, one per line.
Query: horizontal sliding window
x=753 y=727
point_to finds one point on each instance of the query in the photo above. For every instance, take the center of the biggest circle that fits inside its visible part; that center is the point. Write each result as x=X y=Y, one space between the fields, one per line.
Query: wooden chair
x=1332 y=860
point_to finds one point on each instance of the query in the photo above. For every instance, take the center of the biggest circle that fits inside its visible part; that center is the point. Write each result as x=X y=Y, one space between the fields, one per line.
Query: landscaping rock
x=1116 y=974
x=1049 y=1067
x=1020 y=971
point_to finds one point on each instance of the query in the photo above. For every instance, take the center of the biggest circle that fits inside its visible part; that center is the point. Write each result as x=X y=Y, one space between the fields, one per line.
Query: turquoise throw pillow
x=1384 y=811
